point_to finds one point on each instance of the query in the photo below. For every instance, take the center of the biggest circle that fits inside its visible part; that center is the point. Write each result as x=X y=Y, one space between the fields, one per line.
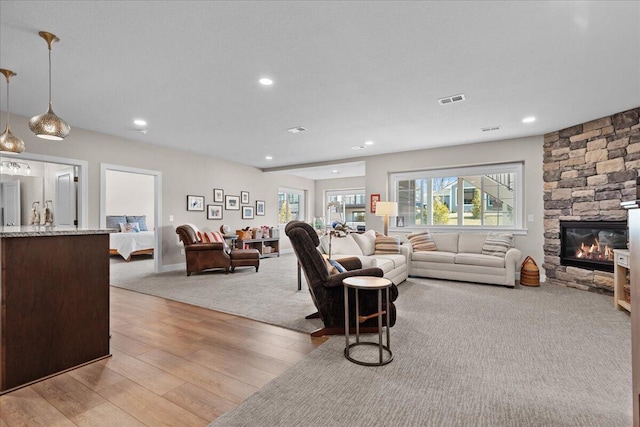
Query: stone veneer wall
x=588 y=170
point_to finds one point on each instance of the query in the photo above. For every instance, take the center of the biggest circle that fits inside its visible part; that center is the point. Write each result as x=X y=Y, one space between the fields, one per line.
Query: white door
x=11 y=203
x=64 y=213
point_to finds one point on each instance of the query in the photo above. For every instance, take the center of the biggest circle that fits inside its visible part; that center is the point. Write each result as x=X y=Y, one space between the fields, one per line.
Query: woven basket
x=627 y=293
x=529 y=273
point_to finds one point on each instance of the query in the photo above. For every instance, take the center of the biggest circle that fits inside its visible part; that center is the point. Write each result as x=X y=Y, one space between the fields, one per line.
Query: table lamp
x=386 y=209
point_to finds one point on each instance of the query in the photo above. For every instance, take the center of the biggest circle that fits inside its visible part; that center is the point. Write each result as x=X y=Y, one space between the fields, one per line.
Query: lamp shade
x=49 y=126
x=386 y=209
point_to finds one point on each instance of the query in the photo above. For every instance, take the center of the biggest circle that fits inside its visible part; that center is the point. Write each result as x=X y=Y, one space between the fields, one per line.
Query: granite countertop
x=41 y=230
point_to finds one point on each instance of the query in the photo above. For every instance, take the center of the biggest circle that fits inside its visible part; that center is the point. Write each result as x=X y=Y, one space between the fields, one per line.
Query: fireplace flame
x=594 y=251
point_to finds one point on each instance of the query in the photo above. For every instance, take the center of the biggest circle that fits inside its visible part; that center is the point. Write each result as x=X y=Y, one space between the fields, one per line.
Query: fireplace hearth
x=590 y=244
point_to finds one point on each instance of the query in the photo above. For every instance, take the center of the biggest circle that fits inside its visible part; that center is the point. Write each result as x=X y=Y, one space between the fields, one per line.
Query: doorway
x=116 y=198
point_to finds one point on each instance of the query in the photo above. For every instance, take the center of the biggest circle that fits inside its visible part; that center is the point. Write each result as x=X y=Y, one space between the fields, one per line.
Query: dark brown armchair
x=327 y=291
x=210 y=255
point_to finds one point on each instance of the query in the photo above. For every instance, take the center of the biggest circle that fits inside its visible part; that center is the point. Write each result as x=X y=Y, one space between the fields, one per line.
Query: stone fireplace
x=588 y=169
x=590 y=244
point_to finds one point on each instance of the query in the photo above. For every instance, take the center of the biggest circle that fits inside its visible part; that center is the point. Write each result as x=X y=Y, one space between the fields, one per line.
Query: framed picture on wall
x=218 y=195
x=399 y=221
x=375 y=198
x=195 y=203
x=259 y=207
x=214 y=211
x=232 y=203
x=244 y=196
x=247 y=212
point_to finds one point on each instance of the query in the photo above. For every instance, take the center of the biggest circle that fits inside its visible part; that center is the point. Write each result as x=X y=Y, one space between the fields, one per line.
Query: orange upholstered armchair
x=202 y=256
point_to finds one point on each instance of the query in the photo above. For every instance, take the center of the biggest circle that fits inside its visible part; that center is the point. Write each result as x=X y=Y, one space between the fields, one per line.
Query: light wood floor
x=173 y=364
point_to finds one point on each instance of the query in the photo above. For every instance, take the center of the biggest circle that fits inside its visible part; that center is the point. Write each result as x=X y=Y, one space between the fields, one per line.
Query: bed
x=128 y=244
x=133 y=237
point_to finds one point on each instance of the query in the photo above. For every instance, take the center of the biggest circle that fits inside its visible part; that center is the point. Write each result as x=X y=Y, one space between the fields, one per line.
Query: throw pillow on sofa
x=422 y=241
x=333 y=266
x=497 y=244
x=213 y=236
x=386 y=245
x=340 y=245
x=366 y=241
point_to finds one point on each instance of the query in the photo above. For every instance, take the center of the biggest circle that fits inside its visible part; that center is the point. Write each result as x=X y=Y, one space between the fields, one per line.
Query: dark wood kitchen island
x=54 y=302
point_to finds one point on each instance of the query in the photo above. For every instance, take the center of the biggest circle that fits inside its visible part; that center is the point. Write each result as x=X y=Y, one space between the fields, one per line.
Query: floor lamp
x=386 y=209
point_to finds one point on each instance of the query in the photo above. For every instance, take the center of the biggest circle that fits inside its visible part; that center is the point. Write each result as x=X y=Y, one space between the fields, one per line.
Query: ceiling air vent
x=297 y=129
x=490 y=129
x=451 y=99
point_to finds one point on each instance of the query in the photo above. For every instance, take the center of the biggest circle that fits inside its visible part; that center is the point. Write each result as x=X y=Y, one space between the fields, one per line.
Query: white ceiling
x=346 y=71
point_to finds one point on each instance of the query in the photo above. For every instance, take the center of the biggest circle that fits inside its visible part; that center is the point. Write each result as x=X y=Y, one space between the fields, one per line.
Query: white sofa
x=459 y=257
x=394 y=266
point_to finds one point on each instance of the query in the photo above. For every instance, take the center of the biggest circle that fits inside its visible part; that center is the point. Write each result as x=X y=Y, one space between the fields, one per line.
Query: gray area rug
x=465 y=355
x=269 y=296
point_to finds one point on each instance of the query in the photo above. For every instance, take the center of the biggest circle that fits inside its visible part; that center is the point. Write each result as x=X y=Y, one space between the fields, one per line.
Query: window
x=480 y=196
x=290 y=205
x=345 y=206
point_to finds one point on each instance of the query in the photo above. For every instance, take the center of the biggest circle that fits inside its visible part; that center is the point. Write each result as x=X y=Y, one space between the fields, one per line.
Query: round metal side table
x=368 y=283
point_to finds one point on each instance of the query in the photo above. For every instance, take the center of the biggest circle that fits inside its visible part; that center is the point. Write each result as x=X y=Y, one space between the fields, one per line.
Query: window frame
x=516 y=168
x=344 y=192
x=302 y=204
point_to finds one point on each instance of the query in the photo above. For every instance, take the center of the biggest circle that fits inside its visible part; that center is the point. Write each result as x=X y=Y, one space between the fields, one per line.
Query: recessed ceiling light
x=296 y=129
x=265 y=81
x=368 y=143
x=335 y=171
x=529 y=119
x=139 y=122
x=358 y=147
x=268 y=157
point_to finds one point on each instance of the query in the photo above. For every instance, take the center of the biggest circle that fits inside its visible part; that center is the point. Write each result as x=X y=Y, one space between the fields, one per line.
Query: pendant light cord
x=49 y=75
x=7 y=102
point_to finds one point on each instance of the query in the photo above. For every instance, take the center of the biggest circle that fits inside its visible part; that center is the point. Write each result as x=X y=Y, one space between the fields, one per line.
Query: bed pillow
x=497 y=244
x=114 y=221
x=141 y=220
x=130 y=227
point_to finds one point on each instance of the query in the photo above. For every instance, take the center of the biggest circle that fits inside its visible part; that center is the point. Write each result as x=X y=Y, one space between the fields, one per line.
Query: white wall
x=130 y=194
x=183 y=173
x=527 y=150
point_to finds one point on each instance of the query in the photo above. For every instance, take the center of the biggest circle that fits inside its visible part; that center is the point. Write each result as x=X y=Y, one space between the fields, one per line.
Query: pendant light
x=9 y=143
x=48 y=125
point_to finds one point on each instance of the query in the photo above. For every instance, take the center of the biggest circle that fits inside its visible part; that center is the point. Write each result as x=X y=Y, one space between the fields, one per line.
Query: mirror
x=33 y=192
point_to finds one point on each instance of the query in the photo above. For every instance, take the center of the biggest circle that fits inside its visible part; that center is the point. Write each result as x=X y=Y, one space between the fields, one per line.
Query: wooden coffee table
x=367 y=283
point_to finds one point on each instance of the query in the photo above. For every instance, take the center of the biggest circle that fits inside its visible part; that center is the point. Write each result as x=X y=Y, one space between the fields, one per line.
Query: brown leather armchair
x=206 y=256
x=327 y=291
